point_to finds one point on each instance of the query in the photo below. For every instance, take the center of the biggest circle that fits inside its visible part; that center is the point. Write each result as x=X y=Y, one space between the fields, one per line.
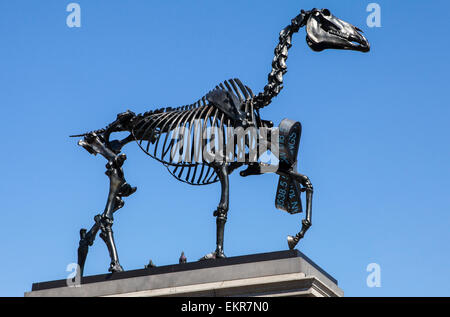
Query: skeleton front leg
x=307 y=222
x=222 y=209
x=223 y=171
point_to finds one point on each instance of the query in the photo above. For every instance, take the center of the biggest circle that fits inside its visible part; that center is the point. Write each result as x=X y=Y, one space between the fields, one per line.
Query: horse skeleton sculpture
x=229 y=105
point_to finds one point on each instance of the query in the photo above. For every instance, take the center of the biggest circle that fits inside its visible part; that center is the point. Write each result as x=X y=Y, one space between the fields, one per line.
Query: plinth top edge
x=243 y=259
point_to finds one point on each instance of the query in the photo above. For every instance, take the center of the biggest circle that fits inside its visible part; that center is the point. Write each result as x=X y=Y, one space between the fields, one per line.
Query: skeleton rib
x=177 y=137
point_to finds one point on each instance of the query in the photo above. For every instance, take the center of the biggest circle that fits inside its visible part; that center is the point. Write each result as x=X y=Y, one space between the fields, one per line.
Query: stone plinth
x=283 y=273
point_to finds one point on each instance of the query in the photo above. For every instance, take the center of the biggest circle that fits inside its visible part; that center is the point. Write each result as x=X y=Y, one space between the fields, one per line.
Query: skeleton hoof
x=115 y=267
x=209 y=256
x=213 y=256
x=292 y=242
x=221 y=256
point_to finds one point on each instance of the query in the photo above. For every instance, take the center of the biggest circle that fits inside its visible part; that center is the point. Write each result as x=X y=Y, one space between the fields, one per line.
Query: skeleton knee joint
x=221 y=214
x=105 y=223
x=306 y=224
x=307 y=184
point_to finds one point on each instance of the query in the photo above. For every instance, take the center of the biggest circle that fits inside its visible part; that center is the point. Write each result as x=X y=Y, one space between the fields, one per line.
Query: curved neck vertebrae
x=279 y=67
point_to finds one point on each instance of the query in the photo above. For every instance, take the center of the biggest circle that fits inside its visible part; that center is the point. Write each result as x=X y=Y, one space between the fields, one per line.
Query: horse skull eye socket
x=326 y=12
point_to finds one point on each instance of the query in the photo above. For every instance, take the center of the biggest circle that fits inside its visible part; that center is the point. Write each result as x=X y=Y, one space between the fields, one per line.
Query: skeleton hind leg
x=118 y=188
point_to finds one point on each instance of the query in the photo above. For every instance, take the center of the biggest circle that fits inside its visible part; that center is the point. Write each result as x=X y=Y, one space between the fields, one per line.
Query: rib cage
x=156 y=133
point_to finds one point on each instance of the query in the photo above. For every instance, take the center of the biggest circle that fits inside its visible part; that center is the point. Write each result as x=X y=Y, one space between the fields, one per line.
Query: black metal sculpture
x=161 y=135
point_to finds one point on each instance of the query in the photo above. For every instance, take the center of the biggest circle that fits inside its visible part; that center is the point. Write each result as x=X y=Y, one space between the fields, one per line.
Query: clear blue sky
x=375 y=137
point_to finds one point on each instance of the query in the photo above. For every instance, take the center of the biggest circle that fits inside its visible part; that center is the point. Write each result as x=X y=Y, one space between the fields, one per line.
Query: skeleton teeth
x=340 y=34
